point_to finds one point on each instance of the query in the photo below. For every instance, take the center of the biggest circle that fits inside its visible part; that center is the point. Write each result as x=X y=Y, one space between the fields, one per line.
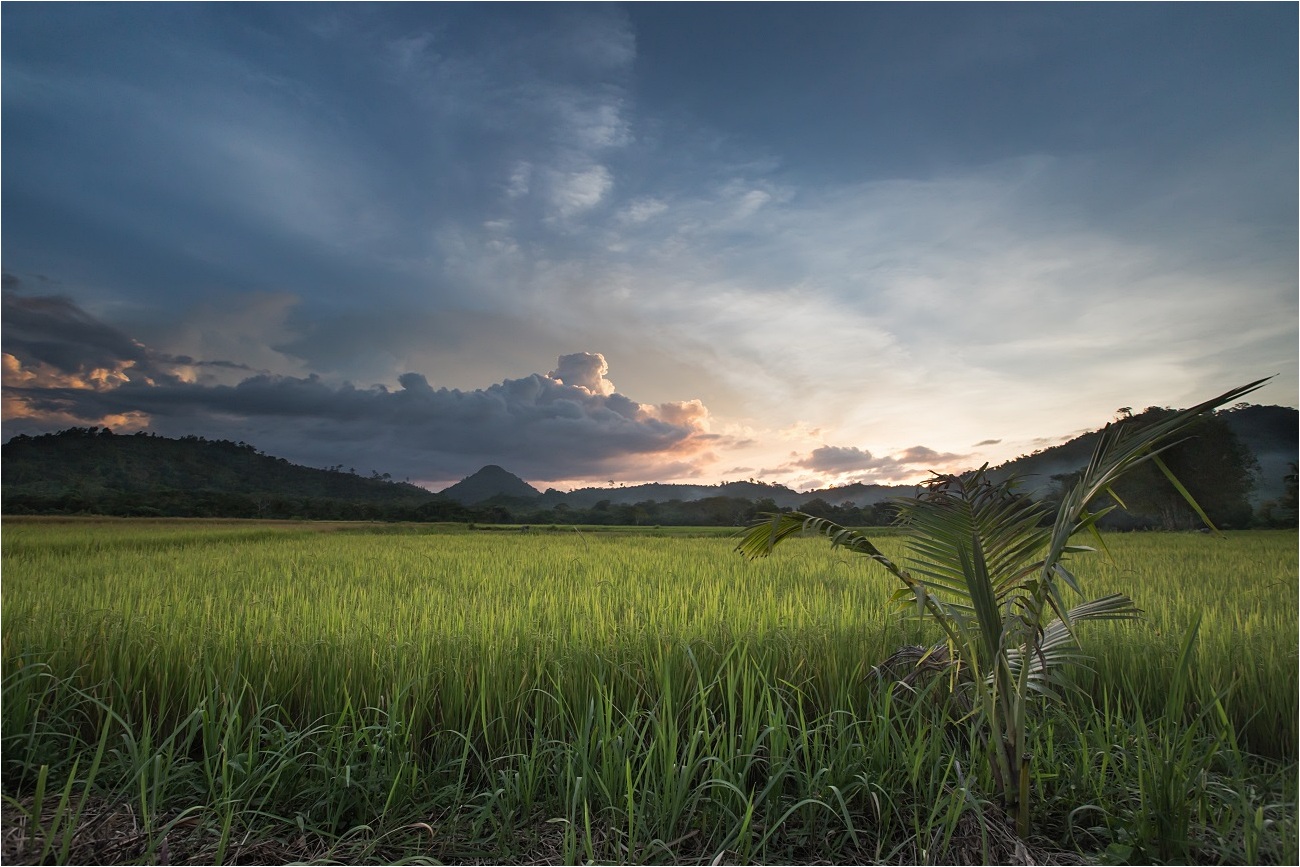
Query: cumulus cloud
x=935 y=308
x=584 y=370
x=569 y=424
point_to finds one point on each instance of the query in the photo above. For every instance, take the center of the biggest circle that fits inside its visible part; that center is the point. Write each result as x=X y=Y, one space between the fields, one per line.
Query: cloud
x=471 y=195
x=838 y=459
x=642 y=210
x=750 y=202
x=936 y=308
x=585 y=370
x=53 y=332
x=569 y=424
x=575 y=192
x=412 y=51
x=923 y=455
x=859 y=465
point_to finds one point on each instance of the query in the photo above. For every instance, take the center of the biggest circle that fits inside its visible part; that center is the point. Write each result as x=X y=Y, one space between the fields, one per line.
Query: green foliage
x=1210 y=460
x=371 y=693
x=1285 y=510
x=988 y=566
x=94 y=470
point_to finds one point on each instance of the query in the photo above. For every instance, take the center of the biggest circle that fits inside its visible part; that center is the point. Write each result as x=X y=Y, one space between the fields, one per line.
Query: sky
x=805 y=244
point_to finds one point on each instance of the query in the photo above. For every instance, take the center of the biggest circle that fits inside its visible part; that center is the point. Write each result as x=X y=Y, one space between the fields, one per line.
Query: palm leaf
x=1124 y=445
x=1121 y=447
x=1058 y=644
x=761 y=538
x=983 y=566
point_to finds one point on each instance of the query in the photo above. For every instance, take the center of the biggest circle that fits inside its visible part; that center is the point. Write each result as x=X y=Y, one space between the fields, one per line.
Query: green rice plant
x=430 y=694
x=994 y=579
x=1247 y=642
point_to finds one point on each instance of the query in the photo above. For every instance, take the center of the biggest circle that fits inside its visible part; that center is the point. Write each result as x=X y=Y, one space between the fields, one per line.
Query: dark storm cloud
x=533 y=424
x=563 y=425
x=55 y=331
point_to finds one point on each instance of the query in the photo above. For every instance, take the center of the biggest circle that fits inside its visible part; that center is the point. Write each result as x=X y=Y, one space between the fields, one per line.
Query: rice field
x=245 y=692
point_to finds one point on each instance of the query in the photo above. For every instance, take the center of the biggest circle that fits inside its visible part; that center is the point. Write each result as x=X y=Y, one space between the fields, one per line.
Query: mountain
x=81 y=466
x=489 y=482
x=95 y=471
x=1269 y=432
x=783 y=497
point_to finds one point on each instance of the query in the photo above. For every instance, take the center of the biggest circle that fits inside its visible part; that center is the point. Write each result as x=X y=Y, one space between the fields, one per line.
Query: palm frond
x=943 y=520
x=1058 y=644
x=1122 y=446
x=762 y=537
x=983 y=566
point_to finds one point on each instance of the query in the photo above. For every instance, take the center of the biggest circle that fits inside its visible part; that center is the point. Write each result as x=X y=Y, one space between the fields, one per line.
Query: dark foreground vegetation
x=739 y=769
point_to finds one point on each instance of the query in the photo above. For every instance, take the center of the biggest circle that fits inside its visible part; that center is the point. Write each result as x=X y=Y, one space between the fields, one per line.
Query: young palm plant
x=988 y=565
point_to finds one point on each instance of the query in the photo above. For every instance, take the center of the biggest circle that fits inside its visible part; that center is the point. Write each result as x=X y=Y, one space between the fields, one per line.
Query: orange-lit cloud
x=63 y=367
x=17 y=404
x=40 y=375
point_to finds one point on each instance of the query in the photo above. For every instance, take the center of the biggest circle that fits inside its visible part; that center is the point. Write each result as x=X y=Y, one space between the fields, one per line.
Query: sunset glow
x=805 y=245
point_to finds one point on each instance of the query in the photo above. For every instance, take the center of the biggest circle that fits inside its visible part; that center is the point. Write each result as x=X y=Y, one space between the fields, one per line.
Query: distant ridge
x=780 y=495
x=1269 y=432
x=93 y=471
x=94 y=462
x=491 y=481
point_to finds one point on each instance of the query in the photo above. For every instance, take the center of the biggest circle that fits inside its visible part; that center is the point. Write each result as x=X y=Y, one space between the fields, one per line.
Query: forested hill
x=1270 y=436
x=1239 y=464
x=147 y=474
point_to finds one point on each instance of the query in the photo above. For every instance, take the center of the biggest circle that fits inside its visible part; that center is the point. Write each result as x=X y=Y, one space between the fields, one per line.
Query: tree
x=818 y=508
x=988 y=565
x=1287 y=505
x=1210 y=461
x=1283 y=511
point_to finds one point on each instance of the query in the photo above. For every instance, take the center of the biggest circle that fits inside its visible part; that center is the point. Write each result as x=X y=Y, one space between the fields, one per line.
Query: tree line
x=94 y=471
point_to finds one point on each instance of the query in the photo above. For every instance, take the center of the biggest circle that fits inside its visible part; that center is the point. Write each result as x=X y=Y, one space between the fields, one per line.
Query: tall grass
x=566 y=696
